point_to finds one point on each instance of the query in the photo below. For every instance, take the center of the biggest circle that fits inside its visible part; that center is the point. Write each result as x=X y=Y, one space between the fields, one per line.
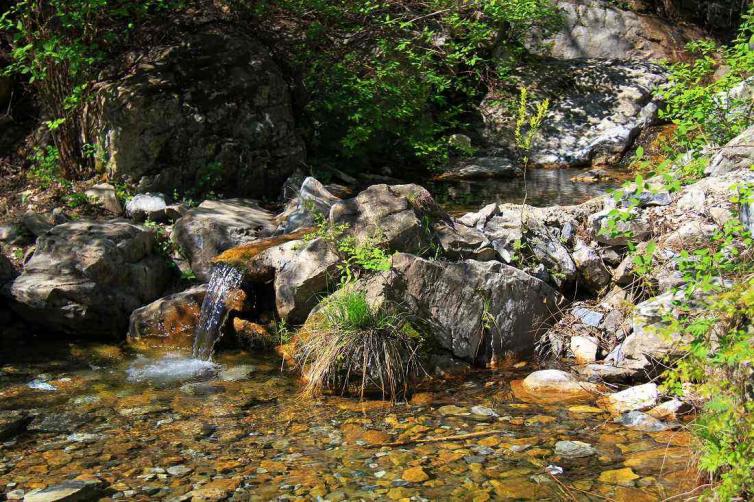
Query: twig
x=456 y=437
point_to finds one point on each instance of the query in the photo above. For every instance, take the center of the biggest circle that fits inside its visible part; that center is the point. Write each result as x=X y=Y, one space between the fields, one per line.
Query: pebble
x=574 y=449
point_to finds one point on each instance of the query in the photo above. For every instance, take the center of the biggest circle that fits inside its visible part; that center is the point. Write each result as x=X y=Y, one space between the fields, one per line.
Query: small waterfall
x=223 y=280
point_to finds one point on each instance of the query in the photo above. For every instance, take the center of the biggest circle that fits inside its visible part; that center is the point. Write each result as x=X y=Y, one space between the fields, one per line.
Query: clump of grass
x=348 y=346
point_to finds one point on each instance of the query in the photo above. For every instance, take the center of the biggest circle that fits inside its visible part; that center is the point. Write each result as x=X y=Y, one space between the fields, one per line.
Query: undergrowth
x=349 y=346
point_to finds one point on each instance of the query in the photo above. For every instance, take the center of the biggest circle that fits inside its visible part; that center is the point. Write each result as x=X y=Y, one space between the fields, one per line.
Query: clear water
x=223 y=280
x=542 y=187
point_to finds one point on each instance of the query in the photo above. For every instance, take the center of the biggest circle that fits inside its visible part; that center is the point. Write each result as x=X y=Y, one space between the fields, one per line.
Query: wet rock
x=74 y=490
x=12 y=423
x=481 y=168
x=104 y=195
x=643 y=422
x=211 y=112
x=169 y=322
x=179 y=471
x=584 y=349
x=624 y=477
x=592 y=269
x=35 y=223
x=58 y=422
x=459 y=299
x=147 y=206
x=483 y=411
x=217 y=225
x=394 y=216
x=312 y=198
x=574 y=449
x=640 y=397
x=597 y=108
x=415 y=475
x=599 y=29
x=554 y=386
x=86 y=278
x=236 y=373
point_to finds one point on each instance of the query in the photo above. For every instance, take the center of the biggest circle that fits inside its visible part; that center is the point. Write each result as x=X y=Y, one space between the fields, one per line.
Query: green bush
x=58 y=46
x=390 y=81
x=697 y=99
x=350 y=346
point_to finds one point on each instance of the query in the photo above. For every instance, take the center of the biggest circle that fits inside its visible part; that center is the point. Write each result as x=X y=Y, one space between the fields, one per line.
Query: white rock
x=640 y=397
x=585 y=349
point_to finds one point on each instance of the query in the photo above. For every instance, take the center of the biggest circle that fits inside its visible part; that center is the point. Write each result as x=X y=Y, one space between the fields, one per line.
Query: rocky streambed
x=247 y=434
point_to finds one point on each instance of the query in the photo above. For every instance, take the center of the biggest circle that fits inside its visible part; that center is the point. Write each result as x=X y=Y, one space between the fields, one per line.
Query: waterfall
x=223 y=280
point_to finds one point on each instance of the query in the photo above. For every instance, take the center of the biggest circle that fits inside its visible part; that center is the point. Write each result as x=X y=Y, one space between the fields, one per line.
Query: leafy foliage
x=700 y=102
x=58 y=46
x=349 y=344
x=390 y=81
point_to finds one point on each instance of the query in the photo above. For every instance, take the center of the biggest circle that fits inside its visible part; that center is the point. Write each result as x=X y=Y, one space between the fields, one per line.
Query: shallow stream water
x=542 y=187
x=242 y=430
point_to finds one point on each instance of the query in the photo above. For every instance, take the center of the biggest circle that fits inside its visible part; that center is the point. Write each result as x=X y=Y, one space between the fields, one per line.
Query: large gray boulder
x=396 y=216
x=597 y=108
x=601 y=29
x=217 y=225
x=475 y=310
x=86 y=278
x=301 y=273
x=210 y=112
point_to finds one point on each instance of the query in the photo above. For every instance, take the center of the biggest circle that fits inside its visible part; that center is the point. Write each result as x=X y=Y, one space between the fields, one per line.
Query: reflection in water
x=545 y=187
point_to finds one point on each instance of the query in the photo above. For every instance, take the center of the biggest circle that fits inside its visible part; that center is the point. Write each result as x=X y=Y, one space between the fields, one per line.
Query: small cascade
x=223 y=280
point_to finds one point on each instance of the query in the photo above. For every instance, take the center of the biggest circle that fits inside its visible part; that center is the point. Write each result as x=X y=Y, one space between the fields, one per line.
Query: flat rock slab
x=68 y=491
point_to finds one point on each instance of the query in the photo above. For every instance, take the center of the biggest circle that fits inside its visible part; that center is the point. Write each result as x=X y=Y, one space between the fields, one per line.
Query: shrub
x=390 y=81
x=348 y=345
x=58 y=46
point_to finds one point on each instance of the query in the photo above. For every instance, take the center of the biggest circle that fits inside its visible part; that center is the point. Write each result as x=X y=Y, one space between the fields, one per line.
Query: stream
x=238 y=428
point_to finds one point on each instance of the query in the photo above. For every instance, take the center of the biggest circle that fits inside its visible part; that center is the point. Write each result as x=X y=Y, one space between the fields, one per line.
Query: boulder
x=552 y=386
x=591 y=268
x=734 y=156
x=475 y=310
x=640 y=397
x=86 y=278
x=217 y=225
x=104 y=195
x=601 y=29
x=302 y=279
x=395 y=216
x=597 y=108
x=648 y=340
x=147 y=206
x=302 y=272
x=210 y=111
x=36 y=223
x=312 y=198
x=168 y=322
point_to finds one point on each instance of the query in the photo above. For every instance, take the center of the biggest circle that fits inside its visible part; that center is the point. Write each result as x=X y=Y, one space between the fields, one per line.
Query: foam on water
x=170 y=369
